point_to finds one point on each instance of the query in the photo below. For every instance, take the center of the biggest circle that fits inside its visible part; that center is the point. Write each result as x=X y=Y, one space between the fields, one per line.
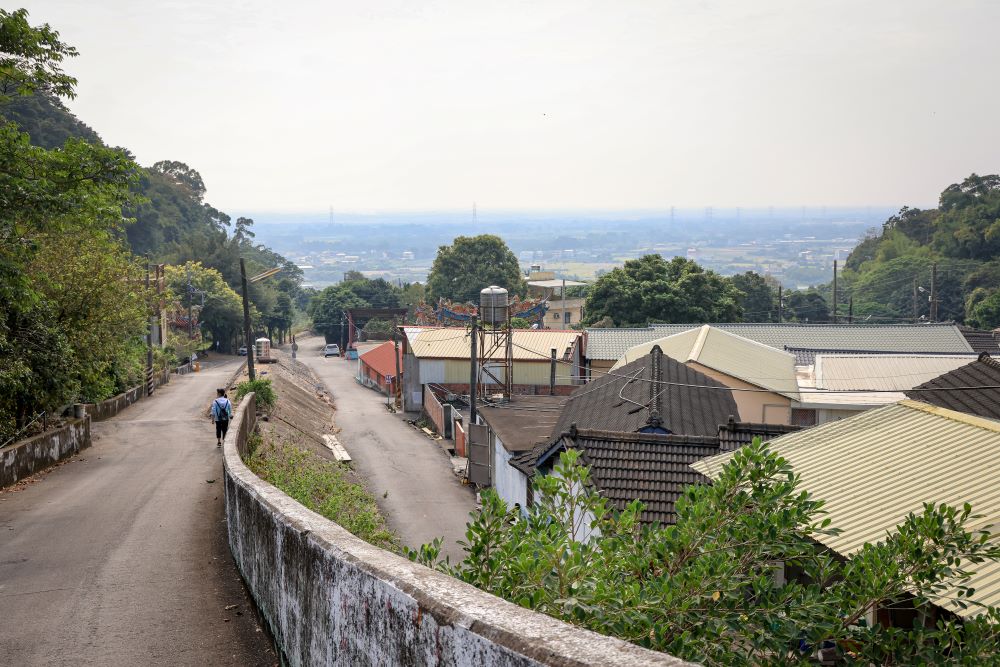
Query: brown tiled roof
x=980 y=340
x=637 y=466
x=943 y=390
x=734 y=434
x=693 y=410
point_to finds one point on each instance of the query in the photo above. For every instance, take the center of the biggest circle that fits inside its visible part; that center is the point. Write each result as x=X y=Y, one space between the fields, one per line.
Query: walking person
x=222 y=412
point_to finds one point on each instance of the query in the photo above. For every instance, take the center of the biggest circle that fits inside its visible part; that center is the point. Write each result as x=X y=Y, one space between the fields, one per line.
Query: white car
x=331 y=350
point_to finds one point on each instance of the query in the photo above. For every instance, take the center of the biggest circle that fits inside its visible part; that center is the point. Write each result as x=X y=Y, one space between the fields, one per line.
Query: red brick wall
x=459 y=440
x=434 y=410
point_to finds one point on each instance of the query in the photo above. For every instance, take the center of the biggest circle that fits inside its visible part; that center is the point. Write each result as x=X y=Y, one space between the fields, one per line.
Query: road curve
x=120 y=557
x=409 y=474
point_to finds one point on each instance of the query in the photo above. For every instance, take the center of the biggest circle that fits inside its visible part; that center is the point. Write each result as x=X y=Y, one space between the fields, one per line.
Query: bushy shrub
x=266 y=396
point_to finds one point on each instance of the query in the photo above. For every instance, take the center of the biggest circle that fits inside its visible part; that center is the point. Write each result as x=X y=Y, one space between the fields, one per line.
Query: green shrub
x=324 y=487
x=266 y=396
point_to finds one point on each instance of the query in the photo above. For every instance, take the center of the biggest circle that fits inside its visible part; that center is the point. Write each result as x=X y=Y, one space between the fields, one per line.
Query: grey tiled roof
x=980 y=340
x=614 y=402
x=941 y=391
x=637 y=466
x=611 y=344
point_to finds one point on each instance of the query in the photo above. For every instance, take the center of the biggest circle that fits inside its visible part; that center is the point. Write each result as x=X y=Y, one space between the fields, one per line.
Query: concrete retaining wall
x=98 y=412
x=184 y=369
x=333 y=599
x=34 y=454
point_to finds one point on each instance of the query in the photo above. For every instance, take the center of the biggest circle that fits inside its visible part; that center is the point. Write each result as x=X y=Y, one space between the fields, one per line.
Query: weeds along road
x=425 y=499
x=120 y=557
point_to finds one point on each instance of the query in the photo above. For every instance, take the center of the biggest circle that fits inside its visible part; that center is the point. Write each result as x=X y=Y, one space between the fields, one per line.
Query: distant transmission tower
x=475 y=217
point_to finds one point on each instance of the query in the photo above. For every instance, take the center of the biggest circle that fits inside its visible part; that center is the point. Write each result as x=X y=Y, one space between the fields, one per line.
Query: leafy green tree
x=759 y=296
x=222 y=315
x=327 y=310
x=470 y=264
x=704 y=589
x=377 y=293
x=31 y=58
x=806 y=306
x=183 y=176
x=984 y=308
x=651 y=289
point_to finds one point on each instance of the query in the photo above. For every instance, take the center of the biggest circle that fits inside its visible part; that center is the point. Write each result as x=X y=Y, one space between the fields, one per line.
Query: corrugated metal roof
x=875 y=468
x=610 y=344
x=529 y=344
x=890 y=372
x=727 y=353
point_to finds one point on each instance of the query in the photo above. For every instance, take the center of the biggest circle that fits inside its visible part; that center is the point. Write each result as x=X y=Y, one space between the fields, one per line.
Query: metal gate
x=479 y=455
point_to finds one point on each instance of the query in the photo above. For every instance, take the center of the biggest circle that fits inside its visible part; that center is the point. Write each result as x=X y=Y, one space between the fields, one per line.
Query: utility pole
x=552 y=374
x=835 y=291
x=934 y=299
x=399 y=377
x=780 y=304
x=190 y=301
x=246 y=322
x=914 y=300
x=472 y=372
x=149 y=337
x=850 y=310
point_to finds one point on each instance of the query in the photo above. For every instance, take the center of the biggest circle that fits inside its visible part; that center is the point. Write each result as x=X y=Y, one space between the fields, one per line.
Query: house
x=873 y=469
x=441 y=356
x=606 y=346
x=653 y=394
x=377 y=368
x=734 y=434
x=685 y=401
x=761 y=378
x=838 y=385
x=562 y=312
x=649 y=467
x=512 y=429
x=973 y=389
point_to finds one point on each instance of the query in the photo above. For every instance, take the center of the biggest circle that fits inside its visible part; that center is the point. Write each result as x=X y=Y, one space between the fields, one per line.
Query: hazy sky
x=369 y=105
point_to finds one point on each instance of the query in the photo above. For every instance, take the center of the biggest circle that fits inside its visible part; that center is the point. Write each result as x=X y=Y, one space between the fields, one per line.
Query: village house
x=441 y=356
x=761 y=378
x=378 y=366
x=563 y=312
x=873 y=469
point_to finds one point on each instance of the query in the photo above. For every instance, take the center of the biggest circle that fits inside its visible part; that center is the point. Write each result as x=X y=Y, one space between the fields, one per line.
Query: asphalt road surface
x=425 y=499
x=120 y=557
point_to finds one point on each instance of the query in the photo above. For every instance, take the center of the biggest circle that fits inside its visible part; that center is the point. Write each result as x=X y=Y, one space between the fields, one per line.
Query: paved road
x=120 y=557
x=426 y=499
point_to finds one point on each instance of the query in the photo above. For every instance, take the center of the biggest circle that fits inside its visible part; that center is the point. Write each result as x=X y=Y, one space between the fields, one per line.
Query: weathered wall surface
x=107 y=409
x=333 y=599
x=34 y=454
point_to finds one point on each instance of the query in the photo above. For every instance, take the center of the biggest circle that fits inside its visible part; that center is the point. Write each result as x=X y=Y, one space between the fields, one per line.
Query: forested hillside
x=889 y=275
x=76 y=219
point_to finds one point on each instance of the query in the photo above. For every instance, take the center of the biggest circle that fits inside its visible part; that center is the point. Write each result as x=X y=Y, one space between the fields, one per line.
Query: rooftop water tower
x=496 y=343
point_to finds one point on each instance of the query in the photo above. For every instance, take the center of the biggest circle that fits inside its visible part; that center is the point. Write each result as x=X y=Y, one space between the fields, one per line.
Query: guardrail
x=332 y=598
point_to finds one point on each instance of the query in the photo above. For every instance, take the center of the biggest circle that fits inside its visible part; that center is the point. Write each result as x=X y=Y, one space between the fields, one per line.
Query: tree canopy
x=470 y=264
x=651 y=289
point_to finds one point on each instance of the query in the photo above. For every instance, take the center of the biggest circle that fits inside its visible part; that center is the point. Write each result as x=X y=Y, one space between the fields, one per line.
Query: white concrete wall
x=510 y=483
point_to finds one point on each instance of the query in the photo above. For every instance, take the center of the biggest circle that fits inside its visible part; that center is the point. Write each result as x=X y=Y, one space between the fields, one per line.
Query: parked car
x=242 y=351
x=331 y=350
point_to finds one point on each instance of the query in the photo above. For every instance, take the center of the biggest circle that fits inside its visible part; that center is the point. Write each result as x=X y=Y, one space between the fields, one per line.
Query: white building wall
x=510 y=483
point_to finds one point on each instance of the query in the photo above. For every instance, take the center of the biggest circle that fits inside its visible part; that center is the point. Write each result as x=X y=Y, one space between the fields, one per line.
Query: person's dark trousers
x=221 y=426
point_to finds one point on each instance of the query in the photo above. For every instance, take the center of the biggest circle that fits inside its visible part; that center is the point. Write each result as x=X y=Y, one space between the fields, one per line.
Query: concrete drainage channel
x=330 y=598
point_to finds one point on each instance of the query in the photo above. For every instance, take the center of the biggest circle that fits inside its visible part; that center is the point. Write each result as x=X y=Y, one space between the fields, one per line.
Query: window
x=567 y=316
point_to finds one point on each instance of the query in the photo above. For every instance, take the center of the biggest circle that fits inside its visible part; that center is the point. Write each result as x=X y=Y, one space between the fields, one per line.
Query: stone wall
x=34 y=454
x=332 y=599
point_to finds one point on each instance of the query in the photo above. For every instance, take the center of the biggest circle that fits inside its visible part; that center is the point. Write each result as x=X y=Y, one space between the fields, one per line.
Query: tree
x=984 y=308
x=221 y=317
x=470 y=264
x=704 y=589
x=759 y=296
x=651 y=289
x=327 y=310
x=31 y=58
x=806 y=306
x=183 y=176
